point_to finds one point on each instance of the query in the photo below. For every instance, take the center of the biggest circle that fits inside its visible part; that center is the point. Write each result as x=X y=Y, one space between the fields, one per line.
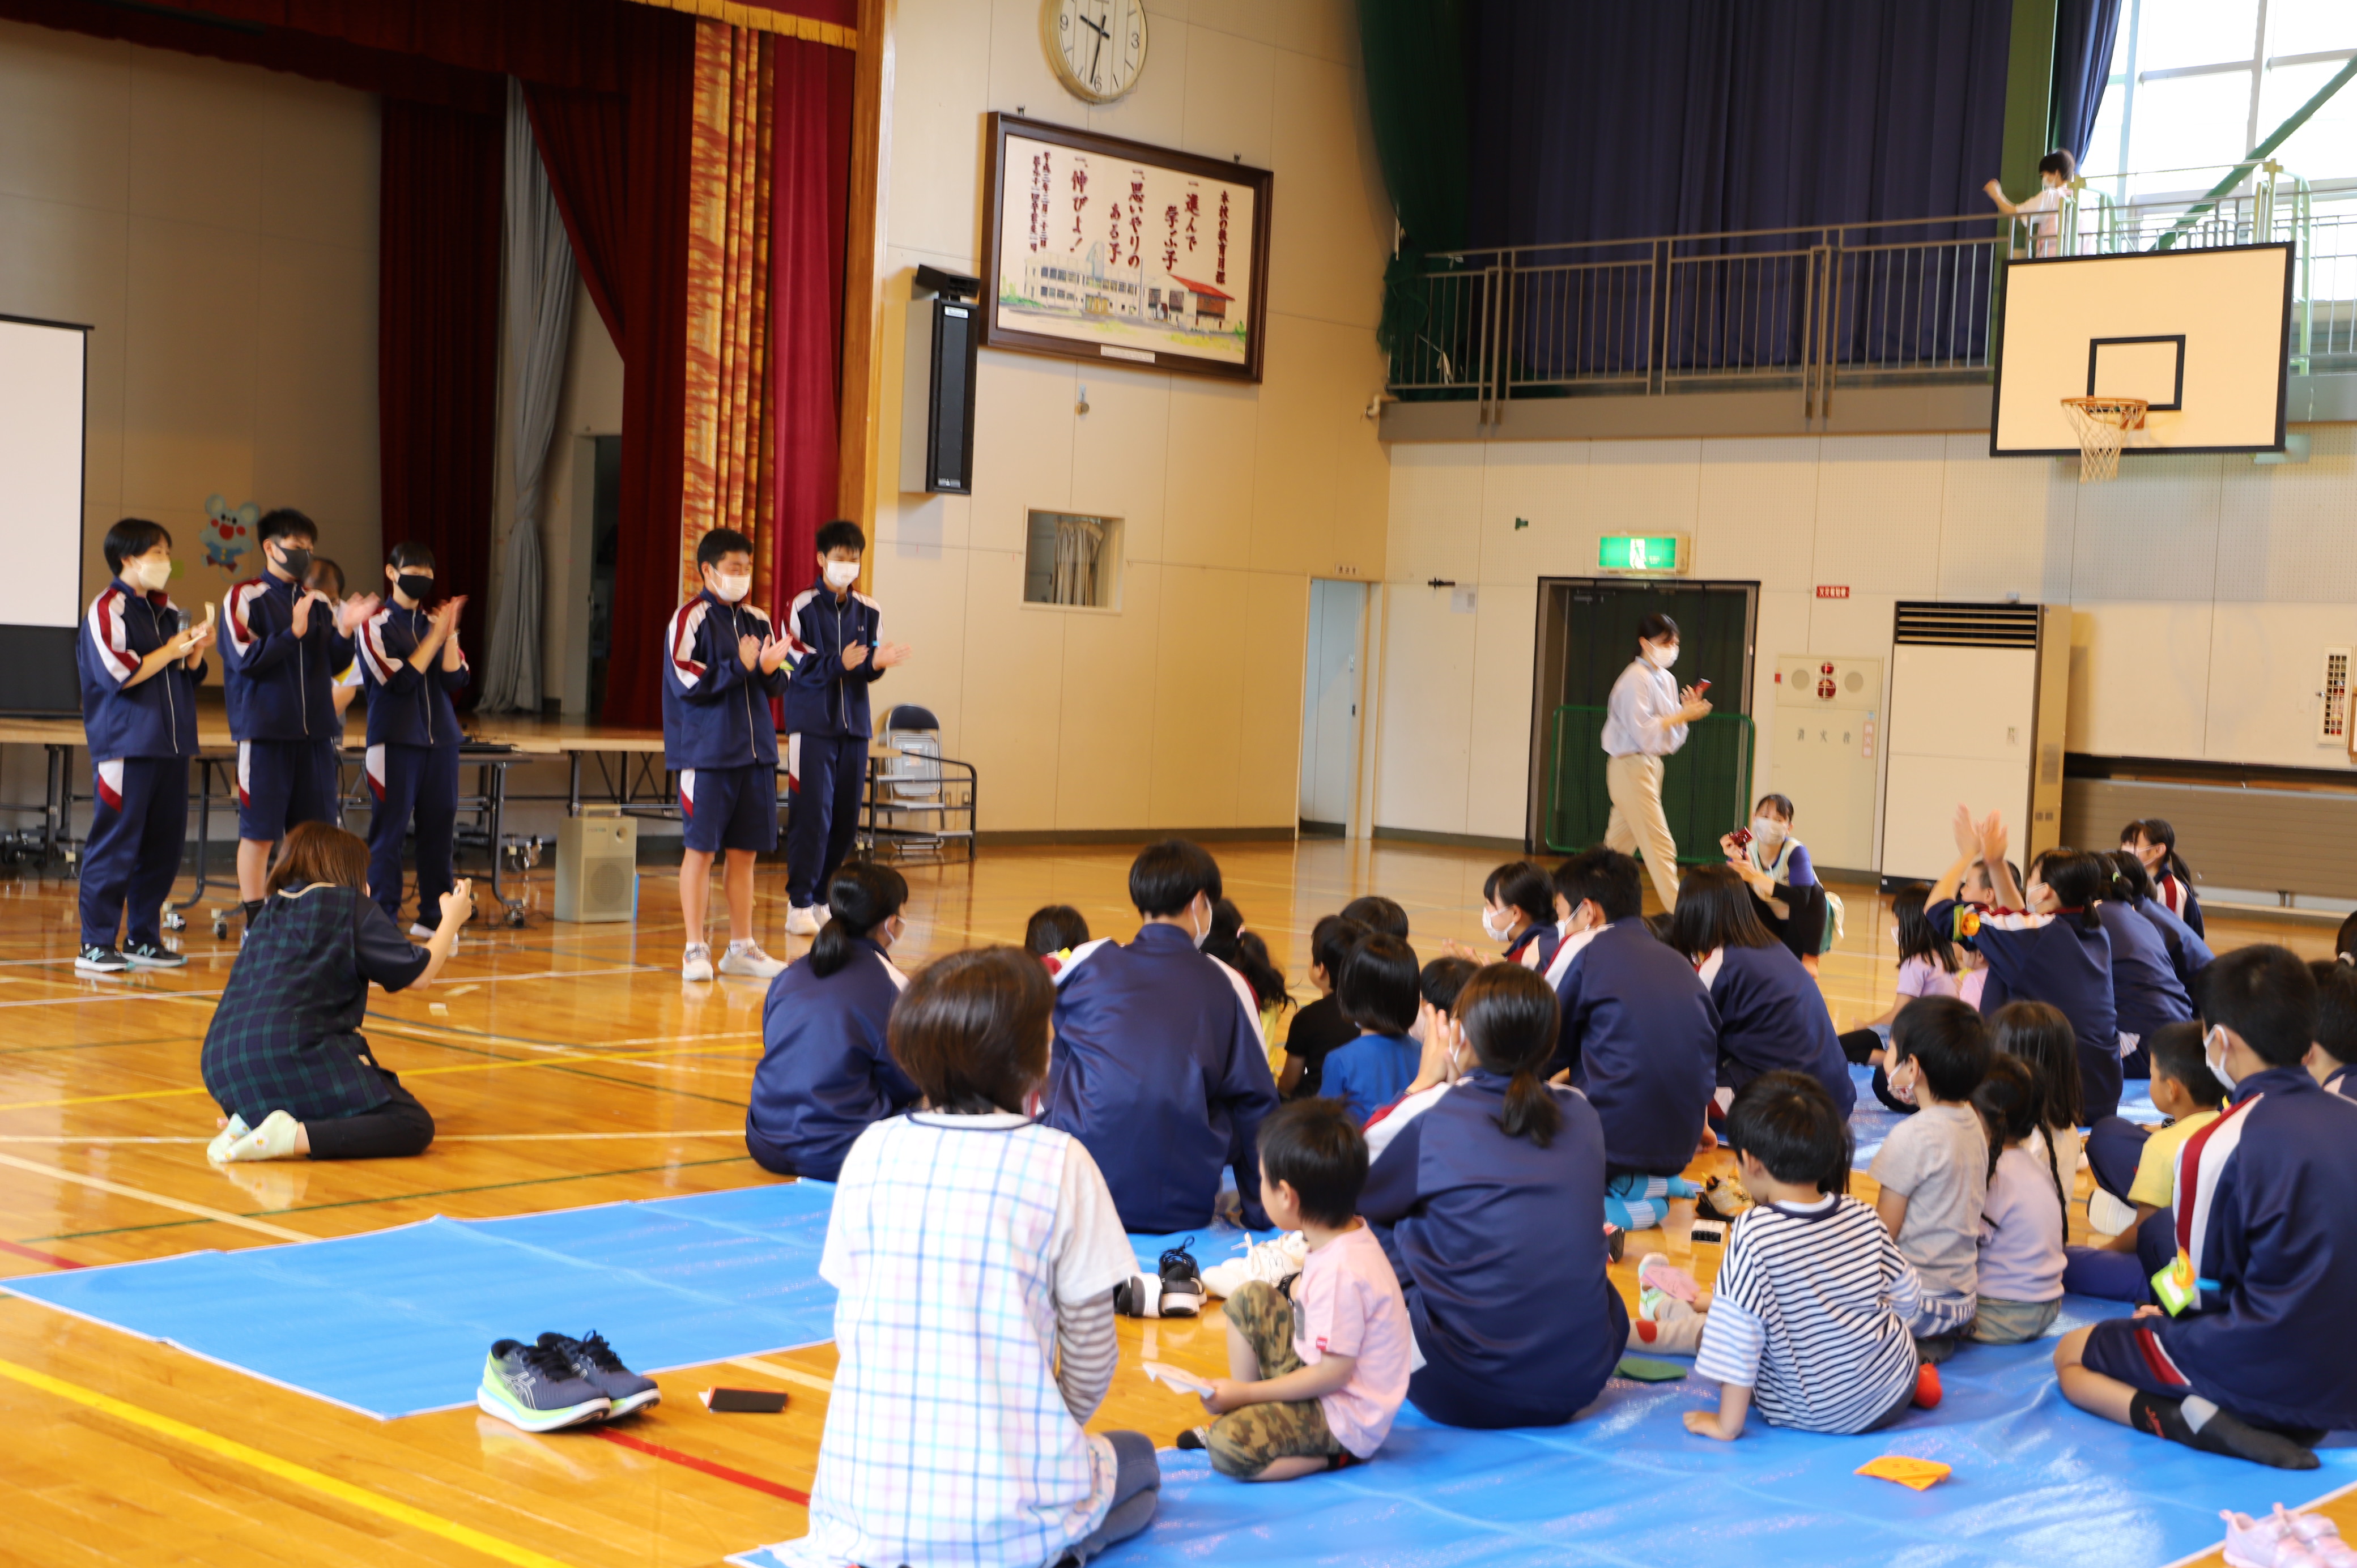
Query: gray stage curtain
x=541 y=281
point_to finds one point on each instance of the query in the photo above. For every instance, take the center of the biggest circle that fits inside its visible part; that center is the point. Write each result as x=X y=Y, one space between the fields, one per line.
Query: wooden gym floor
x=566 y=1065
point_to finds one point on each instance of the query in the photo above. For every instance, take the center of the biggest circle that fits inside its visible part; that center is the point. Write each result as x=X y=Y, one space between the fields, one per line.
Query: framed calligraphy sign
x=1096 y=247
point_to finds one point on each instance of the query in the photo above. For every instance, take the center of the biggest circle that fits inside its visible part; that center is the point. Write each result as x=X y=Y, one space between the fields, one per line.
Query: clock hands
x=1097 y=54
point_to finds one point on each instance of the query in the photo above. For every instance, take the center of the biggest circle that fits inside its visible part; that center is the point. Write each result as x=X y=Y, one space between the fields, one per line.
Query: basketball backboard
x=2201 y=336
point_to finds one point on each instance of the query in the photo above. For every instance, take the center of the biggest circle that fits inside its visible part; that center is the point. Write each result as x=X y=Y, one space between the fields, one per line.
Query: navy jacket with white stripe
x=159 y=716
x=278 y=684
x=715 y=711
x=1640 y=1038
x=824 y=698
x=407 y=706
x=1158 y=1068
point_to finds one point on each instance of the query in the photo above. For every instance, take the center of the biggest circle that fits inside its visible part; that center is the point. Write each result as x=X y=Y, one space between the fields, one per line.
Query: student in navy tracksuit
x=2251 y=1364
x=1378 y=994
x=1517 y=1322
x=1157 y=1066
x=825 y=1072
x=1640 y=1035
x=1771 y=1017
x=2055 y=952
x=2189 y=955
x=412 y=663
x=2153 y=841
x=284 y=646
x=140 y=663
x=836 y=657
x=2146 y=991
x=722 y=663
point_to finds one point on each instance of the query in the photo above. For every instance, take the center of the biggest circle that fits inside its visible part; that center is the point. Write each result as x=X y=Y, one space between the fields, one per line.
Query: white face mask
x=2217 y=1064
x=1497 y=924
x=1205 y=934
x=1766 y=831
x=146 y=574
x=731 y=588
x=841 y=574
x=1663 y=658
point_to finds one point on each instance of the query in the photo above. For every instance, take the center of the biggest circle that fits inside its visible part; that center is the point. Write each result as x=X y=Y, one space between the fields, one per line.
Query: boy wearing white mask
x=723 y=663
x=836 y=657
x=2055 y=172
x=1645 y=721
x=140 y=663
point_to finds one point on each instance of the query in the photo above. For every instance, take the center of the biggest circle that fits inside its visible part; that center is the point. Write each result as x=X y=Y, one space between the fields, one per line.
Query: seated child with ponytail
x=2024 y=1216
x=825 y=1073
x=1517 y=1322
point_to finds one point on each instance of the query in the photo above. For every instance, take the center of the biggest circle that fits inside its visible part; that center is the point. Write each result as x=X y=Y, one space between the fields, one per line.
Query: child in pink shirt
x=1317 y=1370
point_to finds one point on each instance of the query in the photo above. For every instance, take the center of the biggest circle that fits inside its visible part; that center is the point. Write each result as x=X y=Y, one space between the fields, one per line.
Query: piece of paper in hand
x=1178 y=1377
x=1906 y=1470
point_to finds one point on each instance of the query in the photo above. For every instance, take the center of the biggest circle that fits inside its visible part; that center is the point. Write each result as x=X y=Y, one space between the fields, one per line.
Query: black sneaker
x=595 y=1360
x=1191 y=1440
x=536 y=1389
x=152 y=955
x=97 y=959
x=1174 y=1290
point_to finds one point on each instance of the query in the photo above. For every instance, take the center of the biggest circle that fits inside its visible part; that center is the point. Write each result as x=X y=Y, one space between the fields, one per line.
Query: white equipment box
x=1978 y=695
x=1828 y=716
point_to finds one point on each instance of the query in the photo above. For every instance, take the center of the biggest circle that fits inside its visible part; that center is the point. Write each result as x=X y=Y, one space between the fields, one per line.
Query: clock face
x=1098 y=47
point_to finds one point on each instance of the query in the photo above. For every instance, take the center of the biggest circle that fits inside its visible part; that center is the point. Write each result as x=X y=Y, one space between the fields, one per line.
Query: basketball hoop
x=2102 y=424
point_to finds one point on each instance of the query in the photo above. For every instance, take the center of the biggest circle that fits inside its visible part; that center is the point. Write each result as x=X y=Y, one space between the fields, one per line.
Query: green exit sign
x=1640 y=552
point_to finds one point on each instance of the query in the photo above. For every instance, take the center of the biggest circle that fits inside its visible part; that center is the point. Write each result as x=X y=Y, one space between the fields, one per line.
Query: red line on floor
x=49 y=1257
x=639 y=1445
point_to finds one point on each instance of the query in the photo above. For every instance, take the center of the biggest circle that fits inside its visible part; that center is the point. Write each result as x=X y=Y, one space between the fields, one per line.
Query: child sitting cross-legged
x=2134 y=1169
x=1314 y=1381
x=1933 y=1169
x=1809 y=1317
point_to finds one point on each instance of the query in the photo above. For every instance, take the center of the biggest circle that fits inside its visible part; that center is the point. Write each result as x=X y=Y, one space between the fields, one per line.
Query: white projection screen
x=42 y=369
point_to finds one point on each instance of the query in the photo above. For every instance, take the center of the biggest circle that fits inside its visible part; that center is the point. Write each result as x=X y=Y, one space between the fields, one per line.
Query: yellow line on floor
x=784 y=1373
x=405 y=1072
x=218 y=1216
x=282 y=1469
x=64 y=1139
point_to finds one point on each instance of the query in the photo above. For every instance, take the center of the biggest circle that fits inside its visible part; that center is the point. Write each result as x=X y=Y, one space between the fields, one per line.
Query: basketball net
x=2102 y=424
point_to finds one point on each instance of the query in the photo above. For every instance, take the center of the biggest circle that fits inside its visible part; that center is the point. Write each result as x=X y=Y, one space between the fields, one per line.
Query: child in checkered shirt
x=977 y=1253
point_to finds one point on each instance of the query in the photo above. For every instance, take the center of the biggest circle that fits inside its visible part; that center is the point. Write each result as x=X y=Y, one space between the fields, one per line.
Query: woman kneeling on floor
x=284 y=1057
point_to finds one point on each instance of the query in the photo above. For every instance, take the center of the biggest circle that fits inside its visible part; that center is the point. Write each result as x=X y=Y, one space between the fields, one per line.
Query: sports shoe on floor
x=2319 y=1535
x=2107 y=1214
x=274 y=1140
x=2265 y=1541
x=1174 y=1290
x=695 y=961
x=217 y=1150
x=1192 y=1440
x=152 y=955
x=1268 y=1261
x=534 y=1387
x=595 y=1361
x=802 y=921
x=1723 y=1197
x=747 y=959
x=100 y=961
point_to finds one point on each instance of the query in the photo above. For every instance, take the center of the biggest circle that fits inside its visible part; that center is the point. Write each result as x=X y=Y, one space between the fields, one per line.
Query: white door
x=1330 y=702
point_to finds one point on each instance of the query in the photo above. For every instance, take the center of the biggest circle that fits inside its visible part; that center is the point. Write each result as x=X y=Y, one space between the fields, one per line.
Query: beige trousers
x=1634 y=783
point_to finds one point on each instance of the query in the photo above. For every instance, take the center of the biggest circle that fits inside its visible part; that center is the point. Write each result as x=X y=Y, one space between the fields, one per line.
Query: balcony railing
x=1891 y=303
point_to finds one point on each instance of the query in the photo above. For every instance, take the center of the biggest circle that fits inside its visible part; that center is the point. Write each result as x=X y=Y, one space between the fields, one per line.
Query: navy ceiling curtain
x=1598 y=119
x=2084 y=31
x=438 y=345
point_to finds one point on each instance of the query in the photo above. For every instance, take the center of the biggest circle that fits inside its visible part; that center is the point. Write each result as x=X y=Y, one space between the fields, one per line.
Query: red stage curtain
x=808 y=215
x=438 y=342
x=584 y=141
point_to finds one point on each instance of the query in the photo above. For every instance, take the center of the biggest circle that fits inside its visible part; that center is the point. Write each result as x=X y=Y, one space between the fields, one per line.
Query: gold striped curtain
x=729 y=448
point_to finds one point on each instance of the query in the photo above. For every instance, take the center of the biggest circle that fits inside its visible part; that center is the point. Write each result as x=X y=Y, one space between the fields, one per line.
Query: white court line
x=66 y=1139
x=145 y=994
x=218 y=1216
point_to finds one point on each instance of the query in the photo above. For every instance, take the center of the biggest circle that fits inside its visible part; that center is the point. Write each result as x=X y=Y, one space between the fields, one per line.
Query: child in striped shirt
x=1809 y=1316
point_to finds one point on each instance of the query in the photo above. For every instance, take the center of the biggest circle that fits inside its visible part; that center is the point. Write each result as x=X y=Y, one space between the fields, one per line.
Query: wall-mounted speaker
x=596 y=868
x=937 y=384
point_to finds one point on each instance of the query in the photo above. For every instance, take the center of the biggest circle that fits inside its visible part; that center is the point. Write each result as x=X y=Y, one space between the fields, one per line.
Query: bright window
x=2196 y=83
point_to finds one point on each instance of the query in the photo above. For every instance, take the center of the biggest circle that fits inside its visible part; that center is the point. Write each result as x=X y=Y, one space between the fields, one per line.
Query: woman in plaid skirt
x=284 y=1057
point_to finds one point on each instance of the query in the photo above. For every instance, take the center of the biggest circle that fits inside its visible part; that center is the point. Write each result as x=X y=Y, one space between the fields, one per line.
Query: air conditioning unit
x=596 y=868
x=1978 y=697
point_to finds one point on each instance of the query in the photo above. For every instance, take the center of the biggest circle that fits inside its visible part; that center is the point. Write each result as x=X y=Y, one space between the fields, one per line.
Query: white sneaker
x=217 y=1150
x=419 y=931
x=1268 y=1261
x=2107 y=1215
x=748 y=959
x=802 y=921
x=696 y=962
x=274 y=1140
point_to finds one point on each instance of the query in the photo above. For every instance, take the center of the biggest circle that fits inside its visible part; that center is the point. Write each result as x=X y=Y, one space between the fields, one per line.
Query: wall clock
x=1098 y=47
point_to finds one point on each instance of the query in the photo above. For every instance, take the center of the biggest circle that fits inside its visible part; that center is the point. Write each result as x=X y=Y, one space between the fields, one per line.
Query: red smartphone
x=1700 y=687
x=1742 y=837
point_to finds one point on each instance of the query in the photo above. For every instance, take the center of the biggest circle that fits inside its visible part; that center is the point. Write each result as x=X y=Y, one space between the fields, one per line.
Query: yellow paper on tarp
x=1908 y=1472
